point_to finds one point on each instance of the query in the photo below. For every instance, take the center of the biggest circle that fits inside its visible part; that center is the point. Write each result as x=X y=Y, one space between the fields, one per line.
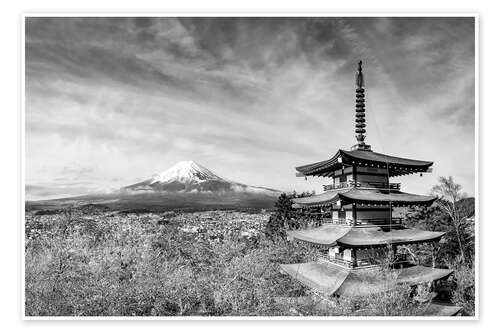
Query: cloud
x=250 y=98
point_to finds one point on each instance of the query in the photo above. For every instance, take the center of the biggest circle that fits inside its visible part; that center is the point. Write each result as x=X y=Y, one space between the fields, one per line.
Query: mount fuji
x=191 y=177
x=186 y=186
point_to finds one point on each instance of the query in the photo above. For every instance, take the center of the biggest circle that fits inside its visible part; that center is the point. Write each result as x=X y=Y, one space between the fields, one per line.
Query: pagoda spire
x=360 y=109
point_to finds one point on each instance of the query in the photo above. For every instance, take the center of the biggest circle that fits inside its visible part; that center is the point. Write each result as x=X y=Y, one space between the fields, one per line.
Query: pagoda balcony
x=368 y=222
x=361 y=263
x=379 y=222
x=338 y=186
x=366 y=185
x=336 y=260
x=343 y=221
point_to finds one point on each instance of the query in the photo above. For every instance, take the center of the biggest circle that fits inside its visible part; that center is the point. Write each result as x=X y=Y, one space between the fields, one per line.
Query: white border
x=267 y=13
x=476 y=169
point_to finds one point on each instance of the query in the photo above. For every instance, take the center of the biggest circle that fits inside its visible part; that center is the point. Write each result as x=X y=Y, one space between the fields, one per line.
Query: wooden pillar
x=354 y=257
x=390 y=213
x=354 y=213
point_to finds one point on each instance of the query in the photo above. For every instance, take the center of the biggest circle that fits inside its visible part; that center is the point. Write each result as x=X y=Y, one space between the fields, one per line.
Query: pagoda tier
x=395 y=166
x=346 y=236
x=331 y=279
x=363 y=196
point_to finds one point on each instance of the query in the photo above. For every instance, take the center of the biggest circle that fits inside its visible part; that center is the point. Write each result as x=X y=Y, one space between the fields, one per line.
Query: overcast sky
x=110 y=101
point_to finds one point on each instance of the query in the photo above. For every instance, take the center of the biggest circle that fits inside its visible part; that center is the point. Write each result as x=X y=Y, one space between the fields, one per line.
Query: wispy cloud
x=250 y=98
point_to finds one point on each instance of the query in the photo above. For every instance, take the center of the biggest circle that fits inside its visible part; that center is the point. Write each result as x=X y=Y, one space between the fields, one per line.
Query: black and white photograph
x=249 y=166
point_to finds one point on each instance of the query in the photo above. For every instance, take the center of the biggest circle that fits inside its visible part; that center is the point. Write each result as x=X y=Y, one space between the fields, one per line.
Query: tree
x=283 y=205
x=432 y=218
x=450 y=195
x=285 y=217
x=275 y=227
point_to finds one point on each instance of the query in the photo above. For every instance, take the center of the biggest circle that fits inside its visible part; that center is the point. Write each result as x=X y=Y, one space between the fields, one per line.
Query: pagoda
x=359 y=234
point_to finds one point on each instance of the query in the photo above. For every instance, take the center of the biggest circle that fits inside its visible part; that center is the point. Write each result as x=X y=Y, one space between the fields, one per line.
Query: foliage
x=457 y=243
x=154 y=264
x=450 y=195
x=104 y=263
x=91 y=261
x=275 y=227
x=285 y=217
x=454 y=214
x=463 y=289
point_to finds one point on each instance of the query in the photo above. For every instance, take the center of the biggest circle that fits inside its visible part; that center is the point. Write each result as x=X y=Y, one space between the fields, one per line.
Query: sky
x=112 y=101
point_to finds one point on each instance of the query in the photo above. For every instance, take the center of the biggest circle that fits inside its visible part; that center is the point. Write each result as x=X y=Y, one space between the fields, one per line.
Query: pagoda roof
x=330 y=234
x=328 y=278
x=358 y=195
x=319 y=200
x=373 y=236
x=397 y=166
x=326 y=235
x=322 y=277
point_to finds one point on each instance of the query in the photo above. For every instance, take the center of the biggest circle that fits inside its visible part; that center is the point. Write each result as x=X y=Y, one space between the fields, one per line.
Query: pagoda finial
x=360 y=109
x=360 y=82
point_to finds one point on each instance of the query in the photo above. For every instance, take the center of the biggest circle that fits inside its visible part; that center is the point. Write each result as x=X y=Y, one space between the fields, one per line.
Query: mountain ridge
x=190 y=176
x=185 y=186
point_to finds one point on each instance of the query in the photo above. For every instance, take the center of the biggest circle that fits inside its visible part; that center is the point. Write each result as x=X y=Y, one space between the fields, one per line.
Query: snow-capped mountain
x=185 y=186
x=191 y=177
x=185 y=171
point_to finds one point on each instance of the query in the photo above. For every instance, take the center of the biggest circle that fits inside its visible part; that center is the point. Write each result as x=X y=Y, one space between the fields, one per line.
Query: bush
x=463 y=292
x=103 y=264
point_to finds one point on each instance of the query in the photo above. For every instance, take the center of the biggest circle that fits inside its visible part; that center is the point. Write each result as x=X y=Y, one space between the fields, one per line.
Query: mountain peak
x=185 y=172
x=192 y=177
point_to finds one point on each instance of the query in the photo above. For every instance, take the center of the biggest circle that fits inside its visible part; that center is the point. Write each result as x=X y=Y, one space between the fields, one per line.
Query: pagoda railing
x=343 y=221
x=336 y=260
x=368 y=222
x=387 y=221
x=360 y=263
x=371 y=185
x=337 y=186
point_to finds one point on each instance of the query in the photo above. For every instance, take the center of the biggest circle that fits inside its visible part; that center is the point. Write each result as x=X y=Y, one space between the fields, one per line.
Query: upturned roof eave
x=311 y=168
x=386 y=197
x=399 y=165
x=362 y=196
x=330 y=279
x=383 y=243
x=347 y=237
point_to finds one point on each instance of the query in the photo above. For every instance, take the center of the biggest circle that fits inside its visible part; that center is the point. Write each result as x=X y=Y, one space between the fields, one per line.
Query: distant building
x=359 y=232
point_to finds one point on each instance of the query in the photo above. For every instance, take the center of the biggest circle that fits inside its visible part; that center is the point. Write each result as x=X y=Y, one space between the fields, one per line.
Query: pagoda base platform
x=332 y=279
